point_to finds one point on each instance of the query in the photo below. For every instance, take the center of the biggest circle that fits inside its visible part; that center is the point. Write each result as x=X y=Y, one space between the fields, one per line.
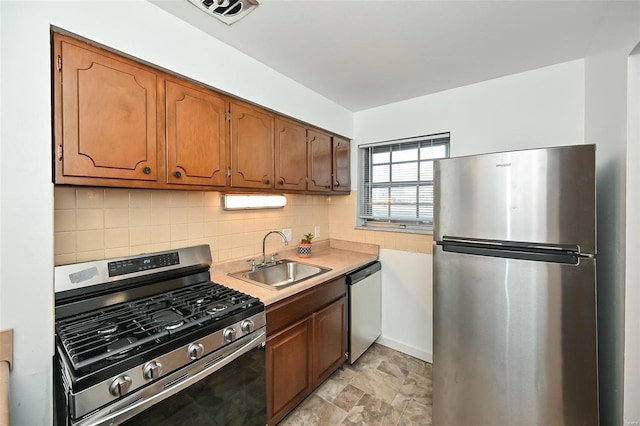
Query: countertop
x=341 y=256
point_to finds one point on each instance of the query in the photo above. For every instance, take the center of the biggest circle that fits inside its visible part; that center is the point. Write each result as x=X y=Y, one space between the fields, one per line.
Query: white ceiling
x=363 y=54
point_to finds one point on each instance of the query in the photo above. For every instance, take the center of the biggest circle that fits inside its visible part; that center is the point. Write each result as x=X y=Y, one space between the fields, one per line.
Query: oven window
x=233 y=395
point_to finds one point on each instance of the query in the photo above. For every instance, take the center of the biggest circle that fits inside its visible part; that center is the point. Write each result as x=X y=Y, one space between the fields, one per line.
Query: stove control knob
x=195 y=350
x=120 y=385
x=152 y=370
x=229 y=334
x=247 y=326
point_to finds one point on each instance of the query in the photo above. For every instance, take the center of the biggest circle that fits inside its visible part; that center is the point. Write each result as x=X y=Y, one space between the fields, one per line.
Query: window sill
x=394 y=229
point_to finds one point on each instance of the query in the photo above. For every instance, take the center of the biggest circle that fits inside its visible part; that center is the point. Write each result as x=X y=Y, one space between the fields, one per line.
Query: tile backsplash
x=98 y=223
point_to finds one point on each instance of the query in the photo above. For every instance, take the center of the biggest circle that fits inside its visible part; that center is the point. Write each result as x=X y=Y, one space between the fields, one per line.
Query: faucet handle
x=253 y=263
x=273 y=257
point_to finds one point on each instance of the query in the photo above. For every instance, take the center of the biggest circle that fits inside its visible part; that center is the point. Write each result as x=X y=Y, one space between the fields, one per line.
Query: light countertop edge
x=341 y=256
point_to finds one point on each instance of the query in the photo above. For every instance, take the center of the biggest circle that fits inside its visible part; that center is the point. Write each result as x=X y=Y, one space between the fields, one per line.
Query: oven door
x=220 y=389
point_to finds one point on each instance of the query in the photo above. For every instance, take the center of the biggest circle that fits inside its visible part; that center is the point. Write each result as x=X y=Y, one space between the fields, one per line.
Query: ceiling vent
x=228 y=11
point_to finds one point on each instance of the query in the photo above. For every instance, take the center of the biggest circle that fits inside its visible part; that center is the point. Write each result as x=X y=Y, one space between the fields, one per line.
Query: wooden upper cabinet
x=118 y=122
x=196 y=135
x=105 y=115
x=291 y=155
x=319 y=161
x=252 y=156
x=341 y=165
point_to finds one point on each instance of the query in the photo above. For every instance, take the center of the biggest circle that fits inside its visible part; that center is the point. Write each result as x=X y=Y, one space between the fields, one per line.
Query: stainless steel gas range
x=150 y=339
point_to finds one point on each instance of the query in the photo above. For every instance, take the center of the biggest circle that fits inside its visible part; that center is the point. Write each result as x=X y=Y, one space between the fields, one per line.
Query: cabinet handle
x=281 y=181
x=328 y=186
x=267 y=181
x=178 y=174
x=337 y=184
x=146 y=170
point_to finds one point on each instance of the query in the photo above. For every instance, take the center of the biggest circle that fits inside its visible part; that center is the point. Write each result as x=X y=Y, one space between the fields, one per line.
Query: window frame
x=366 y=184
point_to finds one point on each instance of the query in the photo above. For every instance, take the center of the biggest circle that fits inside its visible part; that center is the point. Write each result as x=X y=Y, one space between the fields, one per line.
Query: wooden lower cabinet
x=289 y=368
x=329 y=330
x=306 y=343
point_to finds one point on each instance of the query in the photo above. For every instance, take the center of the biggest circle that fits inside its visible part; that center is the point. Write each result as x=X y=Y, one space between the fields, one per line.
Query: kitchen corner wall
x=406 y=279
x=538 y=108
x=342 y=220
x=99 y=223
x=607 y=103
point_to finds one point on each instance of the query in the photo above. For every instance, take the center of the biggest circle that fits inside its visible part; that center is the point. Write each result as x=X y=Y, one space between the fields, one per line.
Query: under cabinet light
x=252 y=201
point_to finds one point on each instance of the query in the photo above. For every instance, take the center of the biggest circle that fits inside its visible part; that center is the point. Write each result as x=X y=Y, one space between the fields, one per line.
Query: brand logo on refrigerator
x=503 y=165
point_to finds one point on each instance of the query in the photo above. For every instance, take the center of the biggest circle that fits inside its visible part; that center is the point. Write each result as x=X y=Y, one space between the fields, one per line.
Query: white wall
x=632 y=278
x=27 y=212
x=137 y=28
x=407 y=305
x=606 y=126
x=538 y=108
x=2 y=42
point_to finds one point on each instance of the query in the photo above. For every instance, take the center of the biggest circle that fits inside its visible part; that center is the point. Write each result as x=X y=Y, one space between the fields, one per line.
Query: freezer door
x=514 y=341
x=539 y=196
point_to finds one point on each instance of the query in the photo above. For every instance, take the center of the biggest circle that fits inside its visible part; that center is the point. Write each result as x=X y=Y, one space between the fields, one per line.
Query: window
x=396 y=183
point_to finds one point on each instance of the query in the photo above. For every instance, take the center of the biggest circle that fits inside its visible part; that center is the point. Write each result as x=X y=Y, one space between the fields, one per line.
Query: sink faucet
x=264 y=240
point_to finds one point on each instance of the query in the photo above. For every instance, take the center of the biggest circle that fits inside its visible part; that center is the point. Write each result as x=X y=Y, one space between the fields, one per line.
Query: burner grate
x=92 y=336
x=122 y=330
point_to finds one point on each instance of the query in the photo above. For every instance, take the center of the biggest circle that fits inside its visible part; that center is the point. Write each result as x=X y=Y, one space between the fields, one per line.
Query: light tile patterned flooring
x=384 y=387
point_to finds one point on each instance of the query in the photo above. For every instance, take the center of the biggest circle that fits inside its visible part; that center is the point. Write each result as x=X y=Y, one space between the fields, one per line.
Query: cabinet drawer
x=293 y=308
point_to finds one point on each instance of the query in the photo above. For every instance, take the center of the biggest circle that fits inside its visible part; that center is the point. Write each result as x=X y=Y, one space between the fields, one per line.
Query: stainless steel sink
x=281 y=274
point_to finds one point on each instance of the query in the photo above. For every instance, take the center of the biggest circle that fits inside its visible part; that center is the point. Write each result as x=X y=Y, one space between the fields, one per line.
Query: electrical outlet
x=316 y=232
x=287 y=233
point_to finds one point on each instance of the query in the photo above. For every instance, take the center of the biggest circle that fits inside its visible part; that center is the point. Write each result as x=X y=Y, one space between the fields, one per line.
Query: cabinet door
x=288 y=369
x=105 y=114
x=319 y=157
x=251 y=147
x=341 y=165
x=196 y=135
x=329 y=339
x=291 y=155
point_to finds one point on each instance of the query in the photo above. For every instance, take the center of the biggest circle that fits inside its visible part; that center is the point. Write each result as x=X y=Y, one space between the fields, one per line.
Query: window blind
x=396 y=182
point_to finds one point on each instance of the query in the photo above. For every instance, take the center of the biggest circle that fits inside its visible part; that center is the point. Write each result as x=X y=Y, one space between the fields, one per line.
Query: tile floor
x=384 y=387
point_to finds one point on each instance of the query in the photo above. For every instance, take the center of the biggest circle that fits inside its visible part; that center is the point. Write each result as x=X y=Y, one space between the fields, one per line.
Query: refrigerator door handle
x=512 y=253
x=516 y=245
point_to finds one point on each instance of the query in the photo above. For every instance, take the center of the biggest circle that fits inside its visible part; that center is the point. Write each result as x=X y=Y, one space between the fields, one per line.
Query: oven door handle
x=120 y=415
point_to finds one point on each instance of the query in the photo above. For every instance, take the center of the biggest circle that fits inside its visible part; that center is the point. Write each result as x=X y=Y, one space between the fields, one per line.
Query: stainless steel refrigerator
x=515 y=335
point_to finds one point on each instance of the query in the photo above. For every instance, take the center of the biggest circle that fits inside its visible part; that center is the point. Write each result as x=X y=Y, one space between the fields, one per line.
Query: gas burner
x=106 y=331
x=202 y=301
x=236 y=299
x=168 y=320
x=214 y=309
x=121 y=348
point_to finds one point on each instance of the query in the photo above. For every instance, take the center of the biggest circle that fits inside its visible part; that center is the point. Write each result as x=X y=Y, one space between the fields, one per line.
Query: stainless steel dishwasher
x=365 y=305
